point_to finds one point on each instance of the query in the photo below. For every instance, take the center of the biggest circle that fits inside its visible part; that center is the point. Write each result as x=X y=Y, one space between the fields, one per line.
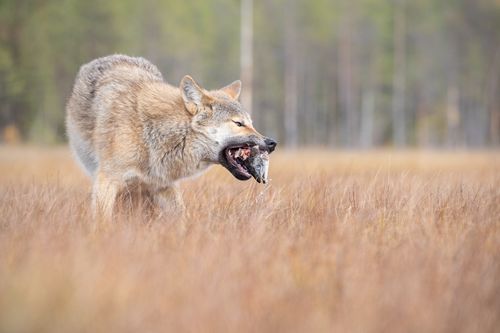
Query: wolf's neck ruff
x=175 y=152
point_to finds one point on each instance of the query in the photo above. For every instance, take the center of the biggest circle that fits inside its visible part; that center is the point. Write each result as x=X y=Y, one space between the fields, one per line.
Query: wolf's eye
x=239 y=124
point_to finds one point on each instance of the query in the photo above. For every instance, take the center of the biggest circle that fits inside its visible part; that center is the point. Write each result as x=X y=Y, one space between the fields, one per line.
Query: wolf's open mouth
x=235 y=157
x=245 y=161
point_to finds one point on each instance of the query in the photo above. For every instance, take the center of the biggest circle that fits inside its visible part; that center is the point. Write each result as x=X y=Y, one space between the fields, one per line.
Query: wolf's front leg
x=169 y=199
x=104 y=194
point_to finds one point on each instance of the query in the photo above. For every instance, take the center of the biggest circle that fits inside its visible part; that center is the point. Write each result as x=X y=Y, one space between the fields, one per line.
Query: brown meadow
x=338 y=242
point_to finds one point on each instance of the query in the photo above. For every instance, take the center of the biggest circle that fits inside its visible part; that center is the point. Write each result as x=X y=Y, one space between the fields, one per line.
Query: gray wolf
x=129 y=127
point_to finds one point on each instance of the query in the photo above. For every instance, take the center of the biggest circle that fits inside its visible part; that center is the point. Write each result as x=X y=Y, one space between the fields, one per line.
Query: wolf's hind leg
x=169 y=199
x=104 y=195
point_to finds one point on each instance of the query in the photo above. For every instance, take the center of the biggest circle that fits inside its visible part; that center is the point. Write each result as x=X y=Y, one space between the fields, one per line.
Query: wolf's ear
x=193 y=95
x=233 y=89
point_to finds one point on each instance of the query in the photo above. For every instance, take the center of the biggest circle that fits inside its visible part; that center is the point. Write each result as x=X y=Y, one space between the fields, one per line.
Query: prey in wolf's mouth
x=248 y=161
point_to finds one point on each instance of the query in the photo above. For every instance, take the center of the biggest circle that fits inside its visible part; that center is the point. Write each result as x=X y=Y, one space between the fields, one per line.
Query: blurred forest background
x=345 y=74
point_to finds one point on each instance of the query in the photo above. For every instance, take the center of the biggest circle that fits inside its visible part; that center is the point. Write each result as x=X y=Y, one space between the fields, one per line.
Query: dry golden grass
x=338 y=242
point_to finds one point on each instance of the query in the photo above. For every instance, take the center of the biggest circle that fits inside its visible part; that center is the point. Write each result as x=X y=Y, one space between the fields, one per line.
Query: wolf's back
x=84 y=104
x=89 y=76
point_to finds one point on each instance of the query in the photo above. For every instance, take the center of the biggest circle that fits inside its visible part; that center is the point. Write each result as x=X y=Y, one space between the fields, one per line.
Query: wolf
x=127 y=126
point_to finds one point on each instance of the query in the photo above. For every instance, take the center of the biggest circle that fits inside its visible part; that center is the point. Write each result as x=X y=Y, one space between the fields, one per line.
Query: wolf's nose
x=271 y=144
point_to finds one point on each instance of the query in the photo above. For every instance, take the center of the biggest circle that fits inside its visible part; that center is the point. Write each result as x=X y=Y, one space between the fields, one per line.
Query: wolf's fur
x=127 y=126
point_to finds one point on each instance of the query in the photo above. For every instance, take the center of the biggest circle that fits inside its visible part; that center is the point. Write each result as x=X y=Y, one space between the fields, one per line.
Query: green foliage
x=448 y=43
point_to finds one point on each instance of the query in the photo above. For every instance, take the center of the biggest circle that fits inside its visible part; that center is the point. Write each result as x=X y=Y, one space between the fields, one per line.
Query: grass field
x=338 y=242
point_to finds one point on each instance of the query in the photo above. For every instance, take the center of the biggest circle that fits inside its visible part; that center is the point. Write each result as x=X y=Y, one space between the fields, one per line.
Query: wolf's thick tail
x=81 y=117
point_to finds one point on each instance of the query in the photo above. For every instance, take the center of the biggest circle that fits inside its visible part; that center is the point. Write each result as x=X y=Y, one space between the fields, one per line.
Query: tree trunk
x=399 y=79
x=367 y=112
x=346 y=80
x=246 y=53
x=291 y=76
x=452 y=115
x=493 y=100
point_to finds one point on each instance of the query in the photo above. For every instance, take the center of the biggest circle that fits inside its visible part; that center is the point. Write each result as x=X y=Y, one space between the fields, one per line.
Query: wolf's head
x=223 y=123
